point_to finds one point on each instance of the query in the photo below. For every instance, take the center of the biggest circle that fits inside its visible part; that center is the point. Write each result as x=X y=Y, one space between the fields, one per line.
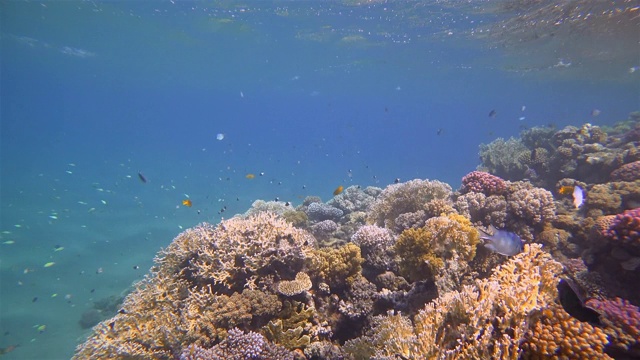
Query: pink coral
x=483 y=182
x=627 y=172
x=620 y=316
x=625 y=227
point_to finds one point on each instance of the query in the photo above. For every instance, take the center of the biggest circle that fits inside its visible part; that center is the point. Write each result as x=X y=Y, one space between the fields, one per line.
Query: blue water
x=310 y=94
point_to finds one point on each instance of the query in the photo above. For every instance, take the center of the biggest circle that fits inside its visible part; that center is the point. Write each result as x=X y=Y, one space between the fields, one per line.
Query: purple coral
x=621 y=313
x=625 y=227
x=318 y=211
x=627 y=172
x=483 y=182
x=237 y=346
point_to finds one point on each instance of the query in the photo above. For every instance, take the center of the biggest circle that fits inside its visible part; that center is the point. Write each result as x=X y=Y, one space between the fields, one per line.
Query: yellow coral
x=557 y=335
x=422 y=251
x=336 y=266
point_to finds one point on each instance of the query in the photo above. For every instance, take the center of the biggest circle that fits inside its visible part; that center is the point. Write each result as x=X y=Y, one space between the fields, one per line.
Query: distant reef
x=401 y=273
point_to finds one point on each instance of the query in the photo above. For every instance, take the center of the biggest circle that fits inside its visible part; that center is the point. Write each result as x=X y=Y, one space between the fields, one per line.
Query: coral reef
x=300 y=284
x=376 y=246
x=238 y=346
x=422 y=252
x=627 y=172
x=406 y=197
x=483 y=182
x=354 y=199
x=625 y=228
x=336 y=267
x=622 y=323
x=319 y=211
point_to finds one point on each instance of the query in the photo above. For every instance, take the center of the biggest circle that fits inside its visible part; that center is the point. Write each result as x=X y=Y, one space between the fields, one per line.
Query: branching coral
x=238 y=346
x=486 y=320
x=406 y=197
x=422 y=251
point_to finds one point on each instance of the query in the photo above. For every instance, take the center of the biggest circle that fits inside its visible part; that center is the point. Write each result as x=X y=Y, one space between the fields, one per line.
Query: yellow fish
x=338 y=190
x=249 y=176
x=187 y=202
x=565 y=190
x=49 y=264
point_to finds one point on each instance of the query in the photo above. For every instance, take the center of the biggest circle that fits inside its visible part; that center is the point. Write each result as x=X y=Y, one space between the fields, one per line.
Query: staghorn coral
x=336 y=266
x=352 y=199
x=406 y=197
x=238 y=346
x=483 y=182
x=621 y=320
x=423 y=251
x=375 y=245
x=486 y=320
x=300 y=284
x=557 y=335
x=240 y=248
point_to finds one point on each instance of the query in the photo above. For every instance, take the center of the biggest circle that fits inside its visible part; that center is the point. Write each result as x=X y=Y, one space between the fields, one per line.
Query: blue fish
x=502 y=242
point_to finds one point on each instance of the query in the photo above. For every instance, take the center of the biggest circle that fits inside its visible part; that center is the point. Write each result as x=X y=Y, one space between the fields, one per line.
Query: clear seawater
x=309 y=96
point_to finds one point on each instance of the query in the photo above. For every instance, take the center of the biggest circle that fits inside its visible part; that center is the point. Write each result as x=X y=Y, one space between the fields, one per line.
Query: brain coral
x=422 y=251
x=237 y=249
x=406 y=197
x=483 y=182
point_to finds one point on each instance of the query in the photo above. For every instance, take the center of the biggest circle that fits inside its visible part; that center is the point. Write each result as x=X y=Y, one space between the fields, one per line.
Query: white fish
x=578 y=196
x=220 y=136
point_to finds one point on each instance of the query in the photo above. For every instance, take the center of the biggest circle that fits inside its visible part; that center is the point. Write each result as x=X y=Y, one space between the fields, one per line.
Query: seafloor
x=400 y=272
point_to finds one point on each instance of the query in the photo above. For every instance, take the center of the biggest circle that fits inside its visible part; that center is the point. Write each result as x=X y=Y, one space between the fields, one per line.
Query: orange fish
x=249 y=176
x=338 y=190
x=565 y=190
x=187 y=202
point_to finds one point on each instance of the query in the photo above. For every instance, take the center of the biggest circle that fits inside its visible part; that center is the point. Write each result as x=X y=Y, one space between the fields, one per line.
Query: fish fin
x=492 y=229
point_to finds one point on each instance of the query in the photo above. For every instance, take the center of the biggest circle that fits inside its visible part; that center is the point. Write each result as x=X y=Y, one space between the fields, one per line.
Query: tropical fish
x=142 y=178
x=493 y=113
x=187 y=202
x=502 y=242
x=8 y=349
x=220 y=136
x=578 y=197
x=49 y=264
x=565 y=190
x=338 y=190
x=250 y=176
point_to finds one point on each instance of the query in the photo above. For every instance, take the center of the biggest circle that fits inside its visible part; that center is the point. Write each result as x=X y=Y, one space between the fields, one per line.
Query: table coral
x=483 y=182
x=422 y=251
x=406 y=197
x=243 y=247
x=300 y=284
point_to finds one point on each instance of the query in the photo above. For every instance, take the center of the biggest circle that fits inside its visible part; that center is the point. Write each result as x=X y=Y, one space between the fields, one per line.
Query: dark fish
x=142 y=178
x=492 y=113
x=503 y=242
x=439 y=131
x=397 y=180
